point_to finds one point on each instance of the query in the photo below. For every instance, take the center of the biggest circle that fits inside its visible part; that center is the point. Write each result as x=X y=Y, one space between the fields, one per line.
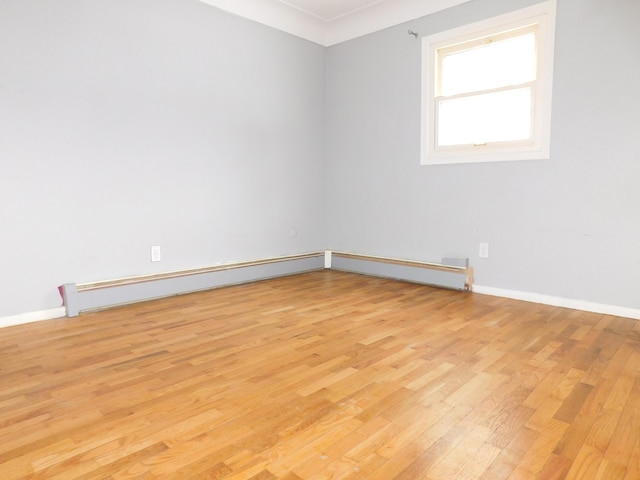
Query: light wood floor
x=325 y=375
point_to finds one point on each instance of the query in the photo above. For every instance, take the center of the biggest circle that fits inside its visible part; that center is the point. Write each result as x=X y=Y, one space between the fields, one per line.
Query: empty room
x=319 y=239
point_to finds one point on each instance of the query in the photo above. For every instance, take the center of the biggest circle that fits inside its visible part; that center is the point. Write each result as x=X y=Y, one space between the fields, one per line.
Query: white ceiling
x=330 y=9
x=328 y=22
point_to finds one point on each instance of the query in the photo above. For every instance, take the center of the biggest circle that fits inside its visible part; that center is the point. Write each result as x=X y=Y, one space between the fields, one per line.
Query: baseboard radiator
x=453 y=273
x=85 y=297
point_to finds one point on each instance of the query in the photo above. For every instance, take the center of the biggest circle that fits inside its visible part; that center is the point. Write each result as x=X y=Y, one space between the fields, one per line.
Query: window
x=487 y=89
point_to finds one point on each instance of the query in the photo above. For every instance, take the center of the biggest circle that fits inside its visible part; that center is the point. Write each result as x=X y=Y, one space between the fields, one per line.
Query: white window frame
x=537 y=147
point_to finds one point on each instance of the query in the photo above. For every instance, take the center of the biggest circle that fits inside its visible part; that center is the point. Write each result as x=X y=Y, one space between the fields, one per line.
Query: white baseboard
x=23 y=318
x=496 y=292
x=560 y=302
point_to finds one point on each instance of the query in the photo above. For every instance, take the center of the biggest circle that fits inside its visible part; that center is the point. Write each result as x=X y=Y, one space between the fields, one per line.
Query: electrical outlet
x=483 y=250
x=156 y=254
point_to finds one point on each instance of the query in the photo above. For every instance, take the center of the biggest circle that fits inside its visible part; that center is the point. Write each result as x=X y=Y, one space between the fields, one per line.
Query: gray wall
x=131 y=123
x=568 y=227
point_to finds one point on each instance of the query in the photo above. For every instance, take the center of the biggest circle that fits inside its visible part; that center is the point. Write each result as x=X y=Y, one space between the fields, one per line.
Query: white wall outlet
x=156 y=254
x=483 y=250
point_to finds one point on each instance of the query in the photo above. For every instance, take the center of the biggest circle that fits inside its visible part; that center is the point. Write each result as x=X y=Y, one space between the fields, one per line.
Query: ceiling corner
x=310 y=25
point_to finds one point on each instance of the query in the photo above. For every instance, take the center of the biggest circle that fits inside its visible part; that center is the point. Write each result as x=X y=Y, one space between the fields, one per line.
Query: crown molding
x=284 y=17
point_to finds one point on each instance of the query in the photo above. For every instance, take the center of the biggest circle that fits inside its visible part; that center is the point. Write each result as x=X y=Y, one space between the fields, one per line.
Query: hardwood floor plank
x=324 y=375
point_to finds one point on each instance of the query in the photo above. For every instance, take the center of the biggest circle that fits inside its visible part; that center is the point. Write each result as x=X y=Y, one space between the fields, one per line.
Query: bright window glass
x=486 y=93
x=503 y=116
x=492 y=64
x=479 y=99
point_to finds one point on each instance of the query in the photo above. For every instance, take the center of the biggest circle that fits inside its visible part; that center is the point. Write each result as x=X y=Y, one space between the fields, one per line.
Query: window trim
x=542 y=14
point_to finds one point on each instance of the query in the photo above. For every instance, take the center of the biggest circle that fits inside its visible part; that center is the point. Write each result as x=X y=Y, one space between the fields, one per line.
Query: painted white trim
x=537 y=148
x=30 y=317
x=614 y=310
x=383 y=15
x=277 y=15
x=303 y=24
x=560 y=302
x=327 y=259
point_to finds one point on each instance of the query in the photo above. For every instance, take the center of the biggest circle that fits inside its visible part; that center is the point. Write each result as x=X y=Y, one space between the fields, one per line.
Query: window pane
x=501 y=63
x=492 y=117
